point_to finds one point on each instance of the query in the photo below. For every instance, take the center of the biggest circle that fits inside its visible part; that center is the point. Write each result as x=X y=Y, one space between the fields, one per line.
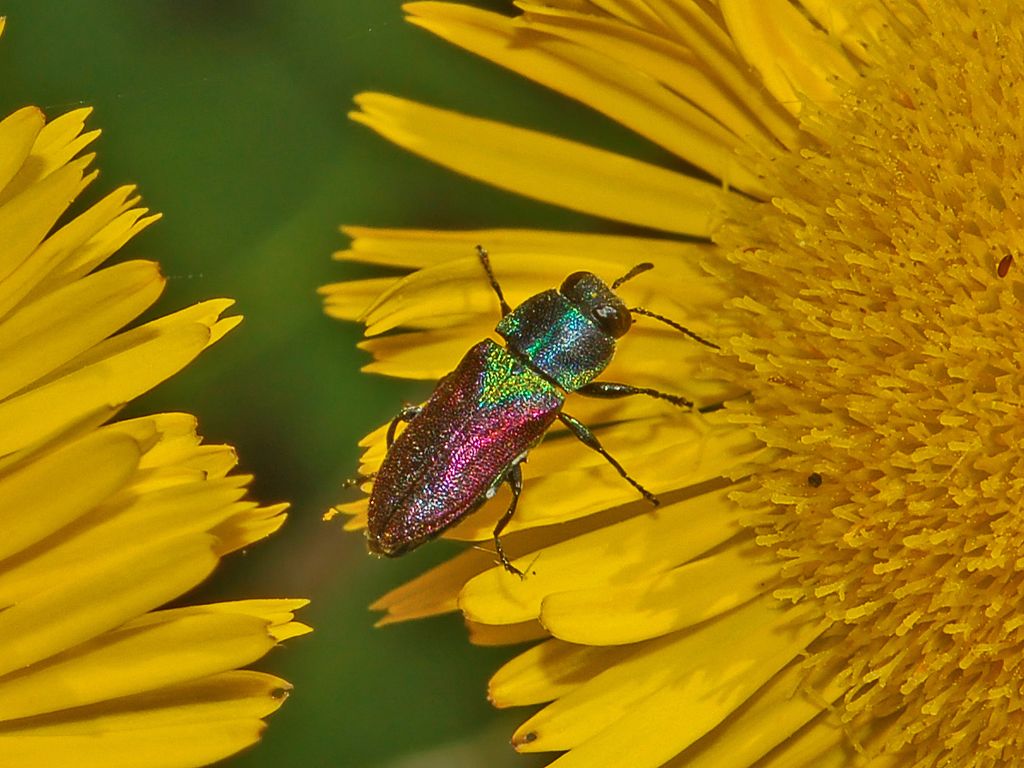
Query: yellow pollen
x=882 y=293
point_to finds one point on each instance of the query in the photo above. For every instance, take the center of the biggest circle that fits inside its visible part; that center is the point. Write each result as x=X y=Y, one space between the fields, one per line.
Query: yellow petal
x=135 y=517
x=702 y=34
x=112 y=372
x=49 y=332
x=276 y=613
x=58 y=142
x=180 y=745
x=134 y=659
x=62 y=246
x=94 y=596
x=773 y=716
x=670 y=61
x=223 y=697
x=25 y=220
x=456 y=292
x=433 y=592
x=504 y=634
x=680 y=598
x=436 y=591
x=18 y=132
x=795 y=59
x=858 y=30
x=625 y=94
x=547 y=168
x=674 y=689
x=636 y=12
x=648 y=543
x=85 y=257
x=664 y=454
x=823 y=745
x=417 y=248
x=549 y=671
x=350 y=300
x=246 y=526
x=61 y=486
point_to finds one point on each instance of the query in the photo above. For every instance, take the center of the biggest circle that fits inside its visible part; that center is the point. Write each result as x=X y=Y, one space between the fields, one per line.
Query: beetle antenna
x=485 y=259
x=673 y=323
x=632 y=273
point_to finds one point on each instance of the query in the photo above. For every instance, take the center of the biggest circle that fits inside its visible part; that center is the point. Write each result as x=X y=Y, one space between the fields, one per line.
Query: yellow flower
x=834 y=577
x=105 y=522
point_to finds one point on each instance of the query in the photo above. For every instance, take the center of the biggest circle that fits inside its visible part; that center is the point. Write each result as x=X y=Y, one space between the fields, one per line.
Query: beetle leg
x=407 y=414
x=486 y=261
x=514 y=479
x=610 y=389
x=589 y=439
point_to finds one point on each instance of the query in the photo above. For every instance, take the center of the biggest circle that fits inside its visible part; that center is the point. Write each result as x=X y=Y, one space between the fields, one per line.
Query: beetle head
x=588 y=293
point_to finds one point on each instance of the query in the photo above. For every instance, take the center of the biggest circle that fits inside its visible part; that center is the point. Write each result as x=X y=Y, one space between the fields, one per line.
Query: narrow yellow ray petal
x=664 y=59
x=675 y=691
x=818 y=745
x=423 y=354
x=222 y=697
x=60 y=246
x=38 y=412
x=94 y=596
x=350 y=300
x=177 y=649
x=692 y=27
x=275 y=612
x=649 y=543
x=61 y=486
x=246 y=525
x=773 y=715
x=112 y=372
x=25 y=220
x=18 y=132
x=49 y=332
x=175 y=446
x=551 y=670
x=689 y=19
x=416 y=248
x=680 y=598
x=547 y=168
x=557 y=497
x=504 y=634
x=57 y=143
x=131 y=520
x=858 y=31
x=436 y=591
x=79 y=261
x=432 y=592
x=185 y=745
x=795 y=59
x=461 y=295
x=630 y=97
x=456 y=292
x=127 y=518
x=634 y=12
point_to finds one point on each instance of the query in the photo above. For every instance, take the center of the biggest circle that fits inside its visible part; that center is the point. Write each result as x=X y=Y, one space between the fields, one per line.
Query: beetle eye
x=570 y=283
x=613 y=320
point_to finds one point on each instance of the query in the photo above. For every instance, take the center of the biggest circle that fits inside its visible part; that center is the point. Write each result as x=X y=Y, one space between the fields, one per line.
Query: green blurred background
x=231 y=118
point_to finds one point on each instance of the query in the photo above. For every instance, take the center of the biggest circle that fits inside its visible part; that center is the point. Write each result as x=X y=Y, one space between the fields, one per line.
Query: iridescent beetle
x=482 y=419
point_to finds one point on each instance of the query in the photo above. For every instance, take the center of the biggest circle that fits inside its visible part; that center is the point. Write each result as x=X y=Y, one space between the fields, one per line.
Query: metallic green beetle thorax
x=553 y=336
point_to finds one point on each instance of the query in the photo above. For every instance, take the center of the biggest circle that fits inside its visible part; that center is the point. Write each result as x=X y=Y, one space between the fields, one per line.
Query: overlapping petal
x=801 y=597
x=107 y=521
